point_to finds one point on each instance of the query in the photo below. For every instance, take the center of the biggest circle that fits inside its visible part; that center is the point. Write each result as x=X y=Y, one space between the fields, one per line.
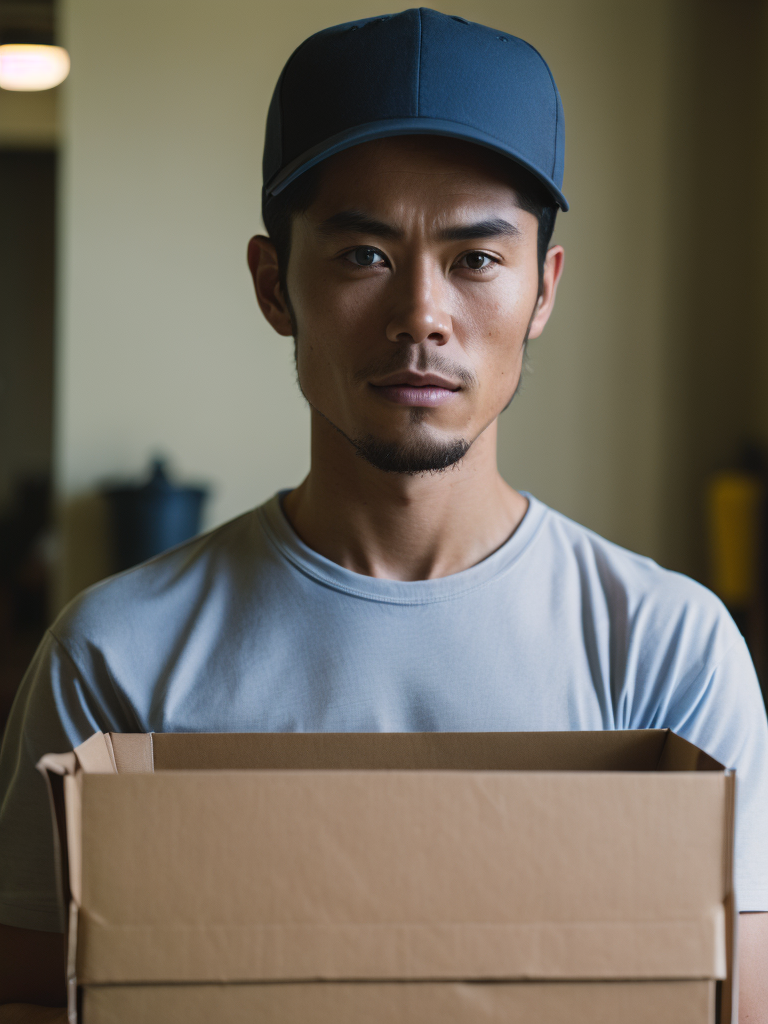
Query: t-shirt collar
x=284 y=539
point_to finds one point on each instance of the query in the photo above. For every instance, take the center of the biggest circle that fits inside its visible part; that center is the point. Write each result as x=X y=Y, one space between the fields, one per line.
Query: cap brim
x=403 y=126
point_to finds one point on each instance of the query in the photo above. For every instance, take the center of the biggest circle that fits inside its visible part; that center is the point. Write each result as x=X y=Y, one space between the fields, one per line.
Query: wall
x=717 y=363
x=161 y=345
x=26 y=317
x=28 y=120
x=587 y=433
x=28 y=138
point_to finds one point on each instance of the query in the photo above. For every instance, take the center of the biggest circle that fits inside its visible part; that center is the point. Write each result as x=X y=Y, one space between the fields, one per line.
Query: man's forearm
x=753 y=969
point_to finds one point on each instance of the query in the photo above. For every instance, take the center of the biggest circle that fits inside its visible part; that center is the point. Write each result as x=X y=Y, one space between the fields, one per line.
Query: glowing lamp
x=31 y=67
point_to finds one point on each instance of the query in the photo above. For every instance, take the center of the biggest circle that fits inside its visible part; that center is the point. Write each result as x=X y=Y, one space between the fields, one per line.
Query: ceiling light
x=31 y=67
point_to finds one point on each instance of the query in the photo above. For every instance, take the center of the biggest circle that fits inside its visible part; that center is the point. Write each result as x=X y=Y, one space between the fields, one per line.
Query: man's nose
x=421 y=310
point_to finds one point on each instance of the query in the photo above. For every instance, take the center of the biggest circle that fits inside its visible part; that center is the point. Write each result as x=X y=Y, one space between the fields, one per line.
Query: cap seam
x=280 y=118
x=279 y=89
x=418 y=70
x=557 y=105
x=557 y=126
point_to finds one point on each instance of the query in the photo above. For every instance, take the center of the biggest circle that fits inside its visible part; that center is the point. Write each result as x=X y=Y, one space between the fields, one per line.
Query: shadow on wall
x=27 y=551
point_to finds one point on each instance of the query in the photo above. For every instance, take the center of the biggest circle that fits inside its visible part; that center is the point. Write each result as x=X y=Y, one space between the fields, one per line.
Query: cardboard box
x=434 y=877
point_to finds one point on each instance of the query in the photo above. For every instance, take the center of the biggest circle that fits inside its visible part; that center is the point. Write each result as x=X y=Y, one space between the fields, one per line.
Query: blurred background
x=128 y=327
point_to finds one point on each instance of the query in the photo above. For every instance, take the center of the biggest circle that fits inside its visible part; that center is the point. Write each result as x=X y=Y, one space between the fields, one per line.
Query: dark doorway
x=27 y=251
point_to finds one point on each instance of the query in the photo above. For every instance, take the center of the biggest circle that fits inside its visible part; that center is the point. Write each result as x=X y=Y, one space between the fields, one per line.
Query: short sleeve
x=722 y=712
x=53 y=712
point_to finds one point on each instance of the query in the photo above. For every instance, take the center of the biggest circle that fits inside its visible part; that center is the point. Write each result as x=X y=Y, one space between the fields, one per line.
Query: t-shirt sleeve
x=54 y=711
x=722 y=712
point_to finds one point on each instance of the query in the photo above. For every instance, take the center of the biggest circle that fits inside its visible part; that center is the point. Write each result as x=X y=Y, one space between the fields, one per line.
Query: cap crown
x=417 y=72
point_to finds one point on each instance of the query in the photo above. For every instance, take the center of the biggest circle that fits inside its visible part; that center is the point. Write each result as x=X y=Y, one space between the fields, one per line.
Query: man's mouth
x=415 y=389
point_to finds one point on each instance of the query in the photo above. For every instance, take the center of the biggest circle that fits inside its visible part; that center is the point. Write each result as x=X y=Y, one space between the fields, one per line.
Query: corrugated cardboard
x=571 y=869
x=684 y=1002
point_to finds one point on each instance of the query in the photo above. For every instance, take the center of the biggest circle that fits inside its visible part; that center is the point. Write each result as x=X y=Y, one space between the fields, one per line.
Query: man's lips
x=420 y=390
x=414 y=389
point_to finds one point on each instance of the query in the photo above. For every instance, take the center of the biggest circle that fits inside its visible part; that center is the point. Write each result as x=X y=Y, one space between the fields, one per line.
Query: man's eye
x=476 y=260
x=365 y=256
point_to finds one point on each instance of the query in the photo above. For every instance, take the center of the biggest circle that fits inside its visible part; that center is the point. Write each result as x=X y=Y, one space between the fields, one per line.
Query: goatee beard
x=422 y=456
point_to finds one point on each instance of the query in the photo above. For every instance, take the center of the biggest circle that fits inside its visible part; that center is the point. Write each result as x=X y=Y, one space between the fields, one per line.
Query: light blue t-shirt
x=247 y=629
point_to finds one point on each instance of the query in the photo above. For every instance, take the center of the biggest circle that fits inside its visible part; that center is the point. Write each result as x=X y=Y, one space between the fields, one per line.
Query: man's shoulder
x=633 y=586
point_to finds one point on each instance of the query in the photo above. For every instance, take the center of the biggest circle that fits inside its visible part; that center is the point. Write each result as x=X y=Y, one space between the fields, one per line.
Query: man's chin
x=424 y=450
x=423 y=455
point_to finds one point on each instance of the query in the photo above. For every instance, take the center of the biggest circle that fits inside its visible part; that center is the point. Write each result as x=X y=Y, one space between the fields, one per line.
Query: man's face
x=413 y=280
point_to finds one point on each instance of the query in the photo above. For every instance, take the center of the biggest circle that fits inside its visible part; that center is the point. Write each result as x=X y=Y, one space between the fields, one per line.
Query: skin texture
x=753 y=968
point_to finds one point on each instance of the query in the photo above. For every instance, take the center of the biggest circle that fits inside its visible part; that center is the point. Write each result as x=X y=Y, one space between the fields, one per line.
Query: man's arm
x=53 y=712
x=753 y=968
x=32 y=967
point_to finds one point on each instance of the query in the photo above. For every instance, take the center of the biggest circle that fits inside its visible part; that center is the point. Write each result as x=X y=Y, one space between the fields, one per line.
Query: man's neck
x=401 y=527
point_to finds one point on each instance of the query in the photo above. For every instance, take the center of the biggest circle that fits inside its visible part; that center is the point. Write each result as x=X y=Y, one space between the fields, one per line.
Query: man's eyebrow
x=359 y=224
x=493 y=228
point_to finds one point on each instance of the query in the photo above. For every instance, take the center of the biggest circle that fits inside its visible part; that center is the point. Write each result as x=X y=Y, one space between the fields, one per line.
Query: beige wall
x=162 y=348
x=717 y=363
x=28 y=120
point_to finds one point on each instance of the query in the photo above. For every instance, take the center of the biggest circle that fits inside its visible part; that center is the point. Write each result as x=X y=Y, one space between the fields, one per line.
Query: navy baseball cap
x=414 y=73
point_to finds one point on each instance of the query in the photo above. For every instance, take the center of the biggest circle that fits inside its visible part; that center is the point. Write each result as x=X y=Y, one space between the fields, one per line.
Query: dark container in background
x=152 y=517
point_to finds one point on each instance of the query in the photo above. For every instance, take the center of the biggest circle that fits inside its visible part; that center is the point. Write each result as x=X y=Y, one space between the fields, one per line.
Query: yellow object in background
x=734 y=513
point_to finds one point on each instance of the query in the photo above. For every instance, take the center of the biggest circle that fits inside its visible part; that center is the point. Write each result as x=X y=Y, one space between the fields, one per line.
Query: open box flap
x=625 y=750
x=617 y=750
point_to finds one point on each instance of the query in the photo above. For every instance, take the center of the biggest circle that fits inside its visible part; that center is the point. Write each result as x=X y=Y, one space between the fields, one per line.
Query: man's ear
x=262 y=261
x=553 y=268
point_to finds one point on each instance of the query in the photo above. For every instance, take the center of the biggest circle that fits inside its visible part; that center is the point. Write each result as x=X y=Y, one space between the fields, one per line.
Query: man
x=413 y=168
